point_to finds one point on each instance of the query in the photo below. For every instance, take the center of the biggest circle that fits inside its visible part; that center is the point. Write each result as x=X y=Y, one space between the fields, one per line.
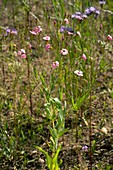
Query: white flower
x=64 y=52
x=79 y=73
x=47 y=38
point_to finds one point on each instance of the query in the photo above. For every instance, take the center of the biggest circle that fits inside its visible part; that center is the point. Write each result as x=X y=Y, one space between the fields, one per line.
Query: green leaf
x=48 y=158
x=62 y=132
x=80 y=101
x=55 y=158
x=53 y=132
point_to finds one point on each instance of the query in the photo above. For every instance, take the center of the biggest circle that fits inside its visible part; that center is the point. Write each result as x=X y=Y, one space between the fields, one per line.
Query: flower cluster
x=92 y=10
x=22 y=53
x=79 y=16
x=11 y=31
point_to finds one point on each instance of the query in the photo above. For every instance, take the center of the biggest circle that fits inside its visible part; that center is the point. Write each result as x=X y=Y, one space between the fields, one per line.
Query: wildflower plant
x=56 y=115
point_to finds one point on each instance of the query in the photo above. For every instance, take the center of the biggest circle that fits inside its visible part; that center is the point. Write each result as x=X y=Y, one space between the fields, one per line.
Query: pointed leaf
x=48 y=158
x=80 y=101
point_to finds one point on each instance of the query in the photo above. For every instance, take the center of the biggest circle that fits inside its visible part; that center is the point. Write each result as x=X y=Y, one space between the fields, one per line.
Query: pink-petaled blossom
x=109 y=37
x=79 y=18
x=66 y=21
x=47 y=38
x=36 y=30
x=64 y=52
x=23 y=56
x=84 y=57
x=70 y=33
x=47 y=47
x=79 y=73
x=19 y=53
x=55 y=64
x=22 y=53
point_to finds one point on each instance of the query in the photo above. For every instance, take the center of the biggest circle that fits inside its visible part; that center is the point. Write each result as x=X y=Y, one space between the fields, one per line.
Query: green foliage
x=52 y=162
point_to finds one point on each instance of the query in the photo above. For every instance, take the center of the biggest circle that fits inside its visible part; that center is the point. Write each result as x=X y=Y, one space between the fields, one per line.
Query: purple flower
x=97 y=12
x=102 y=2
x=11 y=31
x=85 y=148
x=79 y=16
x=66 y=29
x=84 y=16
x=62 y=29
x=87 y=12
x=92 y=10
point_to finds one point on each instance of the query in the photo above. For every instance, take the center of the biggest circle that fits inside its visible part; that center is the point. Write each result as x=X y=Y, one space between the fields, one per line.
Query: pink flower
x=47 y=47
x=79 y=18
x=109 y=37
x=23 y=56
x=55 y=64
x=19 y=53
x=84 y=57
x=70 y=33
x=47 y=38
x=22 y=53
x=36 y=30
x=64 y=52
x=79 y=73
x=66 y=21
